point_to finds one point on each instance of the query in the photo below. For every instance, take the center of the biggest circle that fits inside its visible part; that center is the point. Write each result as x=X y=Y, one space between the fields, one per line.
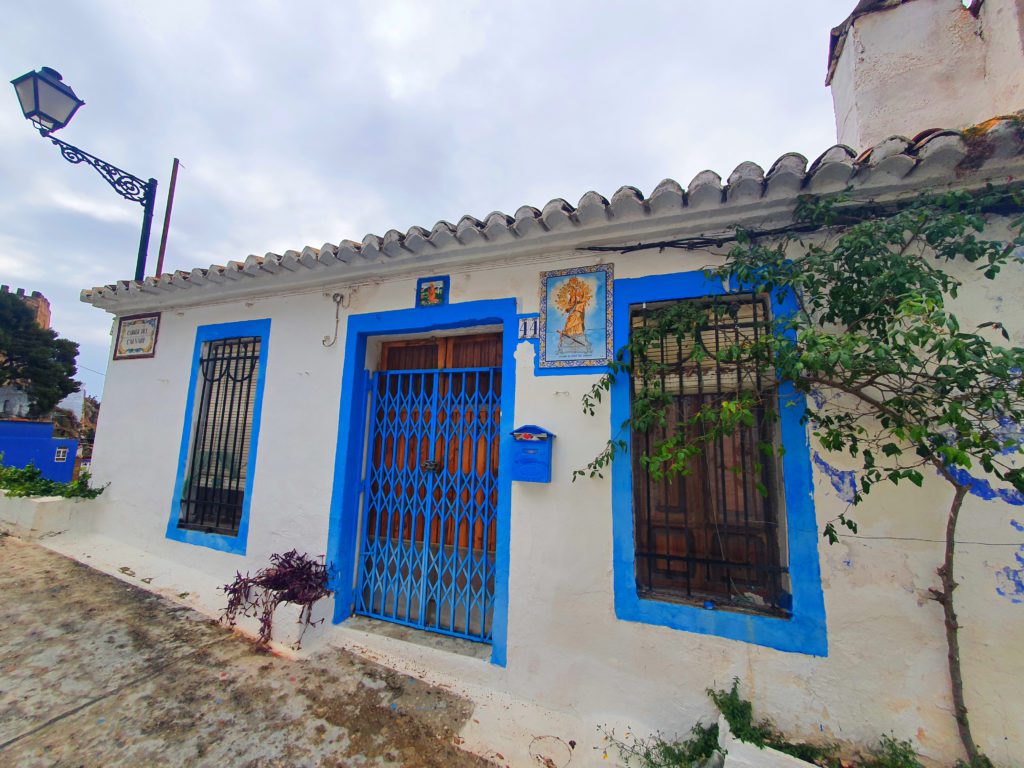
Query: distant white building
x=14 y=403
x=75 y=402
x=359 y=399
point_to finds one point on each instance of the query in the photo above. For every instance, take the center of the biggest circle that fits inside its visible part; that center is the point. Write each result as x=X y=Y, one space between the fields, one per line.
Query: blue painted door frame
x=342 y=539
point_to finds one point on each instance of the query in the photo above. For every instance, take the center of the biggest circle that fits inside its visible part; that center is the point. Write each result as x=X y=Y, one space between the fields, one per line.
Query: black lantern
x=45 y=100
x=50 y=104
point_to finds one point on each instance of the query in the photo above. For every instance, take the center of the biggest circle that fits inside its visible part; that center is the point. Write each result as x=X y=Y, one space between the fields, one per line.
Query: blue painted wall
x=32 y=442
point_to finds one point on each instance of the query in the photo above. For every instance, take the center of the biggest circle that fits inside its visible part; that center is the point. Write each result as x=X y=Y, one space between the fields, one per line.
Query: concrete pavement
x=97 y=672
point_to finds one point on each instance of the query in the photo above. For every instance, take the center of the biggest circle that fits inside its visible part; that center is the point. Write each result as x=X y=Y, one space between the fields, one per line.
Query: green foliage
x=33 y=358
x=739 y=713
x=893 y=753
x=656 y=752
x=908 y=387
x=979 y=762
x=29 y=481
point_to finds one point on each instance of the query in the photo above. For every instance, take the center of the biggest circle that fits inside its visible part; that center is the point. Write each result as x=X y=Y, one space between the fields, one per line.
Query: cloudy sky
x=300 y=123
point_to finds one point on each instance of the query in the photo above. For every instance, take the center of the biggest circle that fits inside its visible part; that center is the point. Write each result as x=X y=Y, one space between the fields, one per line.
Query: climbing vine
x=893 y=377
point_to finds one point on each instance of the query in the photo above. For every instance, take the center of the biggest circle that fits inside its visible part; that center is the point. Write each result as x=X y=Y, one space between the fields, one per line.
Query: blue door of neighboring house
x=429 y=523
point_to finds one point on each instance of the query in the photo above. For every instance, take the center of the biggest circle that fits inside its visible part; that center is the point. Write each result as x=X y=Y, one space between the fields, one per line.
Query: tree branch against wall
x=912 y=388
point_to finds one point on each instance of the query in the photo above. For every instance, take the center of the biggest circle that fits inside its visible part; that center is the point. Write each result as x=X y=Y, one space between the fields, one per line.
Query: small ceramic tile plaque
x=136 y=336
x=432 y=291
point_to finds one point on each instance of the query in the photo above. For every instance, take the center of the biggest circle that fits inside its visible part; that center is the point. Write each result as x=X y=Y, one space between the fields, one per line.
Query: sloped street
x=96 y=672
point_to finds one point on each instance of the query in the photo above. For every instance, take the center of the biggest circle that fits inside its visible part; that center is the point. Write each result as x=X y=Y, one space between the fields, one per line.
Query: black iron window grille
x=715 y=536
x=214 y=488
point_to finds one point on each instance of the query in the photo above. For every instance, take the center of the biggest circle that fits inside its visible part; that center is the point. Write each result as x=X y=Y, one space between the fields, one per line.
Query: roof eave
x=896 y=166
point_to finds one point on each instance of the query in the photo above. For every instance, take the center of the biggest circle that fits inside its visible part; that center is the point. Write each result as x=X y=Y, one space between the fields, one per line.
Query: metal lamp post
x=50 y=105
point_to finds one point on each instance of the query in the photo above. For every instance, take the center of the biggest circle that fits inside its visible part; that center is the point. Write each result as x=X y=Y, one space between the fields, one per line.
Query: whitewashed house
x=358 y=400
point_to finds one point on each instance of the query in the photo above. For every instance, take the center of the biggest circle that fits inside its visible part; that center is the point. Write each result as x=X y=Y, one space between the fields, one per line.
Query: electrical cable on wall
x=338 y=300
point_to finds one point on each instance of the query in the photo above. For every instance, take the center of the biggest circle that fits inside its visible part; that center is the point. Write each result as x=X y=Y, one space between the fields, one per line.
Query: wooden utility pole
x=167 y=217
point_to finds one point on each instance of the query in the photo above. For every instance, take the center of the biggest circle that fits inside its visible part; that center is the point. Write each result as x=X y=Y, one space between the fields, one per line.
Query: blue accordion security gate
x=429 y=524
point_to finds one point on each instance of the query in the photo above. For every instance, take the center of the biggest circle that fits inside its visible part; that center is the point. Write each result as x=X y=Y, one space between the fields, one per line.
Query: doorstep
x=421 y=637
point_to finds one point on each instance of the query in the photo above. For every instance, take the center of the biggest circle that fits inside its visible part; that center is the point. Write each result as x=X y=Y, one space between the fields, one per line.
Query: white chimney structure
x=899 y=67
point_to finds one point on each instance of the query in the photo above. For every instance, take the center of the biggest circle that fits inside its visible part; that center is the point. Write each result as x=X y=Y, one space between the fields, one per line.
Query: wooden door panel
x=483 y=351
x=474 y=351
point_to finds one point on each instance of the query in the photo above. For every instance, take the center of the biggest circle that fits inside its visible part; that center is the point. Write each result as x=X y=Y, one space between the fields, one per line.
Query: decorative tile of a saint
x=576 y=317
x=432 y=291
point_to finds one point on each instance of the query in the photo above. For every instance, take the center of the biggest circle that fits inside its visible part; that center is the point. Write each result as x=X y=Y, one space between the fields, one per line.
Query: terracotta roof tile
x=991 y=150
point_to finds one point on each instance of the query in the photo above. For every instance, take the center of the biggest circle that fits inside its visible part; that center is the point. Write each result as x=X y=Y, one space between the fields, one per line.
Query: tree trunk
x=945 y=599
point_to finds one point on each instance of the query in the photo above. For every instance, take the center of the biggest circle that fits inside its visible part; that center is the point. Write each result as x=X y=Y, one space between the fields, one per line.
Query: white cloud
x=16 y=269
x=98 y=207
x=417 y=45
x=312 y=122
x=19 y=267
x=282 y=208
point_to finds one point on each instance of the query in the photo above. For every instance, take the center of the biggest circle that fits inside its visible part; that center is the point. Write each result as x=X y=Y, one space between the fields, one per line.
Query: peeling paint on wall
x=983 y=488
x=1010 y=580
x=818 y=398
x=843 y=480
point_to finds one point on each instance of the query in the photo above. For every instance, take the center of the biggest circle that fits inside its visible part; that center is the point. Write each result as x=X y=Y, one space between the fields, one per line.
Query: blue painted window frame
x=804 y=631
x=342 y=537
x=235 y=545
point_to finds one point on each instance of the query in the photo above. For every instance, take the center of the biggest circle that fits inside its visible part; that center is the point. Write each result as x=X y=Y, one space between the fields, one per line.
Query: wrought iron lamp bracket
x=127 y=185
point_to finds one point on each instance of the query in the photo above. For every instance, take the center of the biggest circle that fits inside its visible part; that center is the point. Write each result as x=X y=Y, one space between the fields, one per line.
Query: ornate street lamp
x=50 y=105
x=45 y=100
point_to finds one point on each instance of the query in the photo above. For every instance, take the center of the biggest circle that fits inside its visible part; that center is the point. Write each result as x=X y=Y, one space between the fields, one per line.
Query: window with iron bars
x=214 y=487
x=715 y=535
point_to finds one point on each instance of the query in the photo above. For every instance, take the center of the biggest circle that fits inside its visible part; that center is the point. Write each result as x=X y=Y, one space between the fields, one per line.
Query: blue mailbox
x=531 y=454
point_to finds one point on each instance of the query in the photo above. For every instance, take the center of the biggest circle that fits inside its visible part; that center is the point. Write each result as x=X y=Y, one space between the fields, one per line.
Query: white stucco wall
x=928 y=64
x=45 y=515
x=886 y=667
